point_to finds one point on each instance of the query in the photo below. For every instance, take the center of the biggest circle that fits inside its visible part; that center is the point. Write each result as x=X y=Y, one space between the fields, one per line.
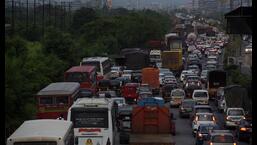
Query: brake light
x=243 y=129
x=211 y=143
x=213 y=118
x=234 y=143
x=227 y=118
x=108 y=141
x=243 y=117
x=196 y=118
x=200 y=135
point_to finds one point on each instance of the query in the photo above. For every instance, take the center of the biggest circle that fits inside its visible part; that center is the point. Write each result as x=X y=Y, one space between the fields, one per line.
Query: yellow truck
x=172 y=59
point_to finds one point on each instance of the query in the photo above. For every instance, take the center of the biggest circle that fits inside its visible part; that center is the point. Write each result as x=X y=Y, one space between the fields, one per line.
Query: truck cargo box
x=151 y=139
x=152 y=119
x=172 y=59
x=150 y=76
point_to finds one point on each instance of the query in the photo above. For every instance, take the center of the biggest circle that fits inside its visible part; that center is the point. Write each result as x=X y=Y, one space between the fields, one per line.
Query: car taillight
x=211 y=143
x=200 y=135
x=234 y=143
x=243 y=117
x=243 y=129
x=196 y=118
x=227 y=118
x=108 y=142
x=213 y=118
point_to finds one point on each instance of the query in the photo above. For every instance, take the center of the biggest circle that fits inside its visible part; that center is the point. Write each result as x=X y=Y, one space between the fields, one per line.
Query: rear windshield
x=236 y=112
x=204 y=117
x=90 y=118
x=36 y=143
x=203 y=110
x=188 y=104
x=178 y=93
x=222 y=139
x=200 y=94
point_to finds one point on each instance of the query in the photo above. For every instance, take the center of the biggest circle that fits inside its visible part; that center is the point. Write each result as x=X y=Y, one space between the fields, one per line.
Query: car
x=201 y=96
x=107 y=94
x=222 y=137
x=203 y=75
x=177 y=95
x=84 y=93
x=211 y=62
x=210 y=67
x=170 y=80
x=195 y=68
x=182 y=75
x=115 y=71
x=163 y=70
x=203 y=132
x=193 y=80
x=144 y=90
x=161 y=78
x=233 y=117
x=186 y=107
x=127 y=74
x=244 y=130
x=166 y=90
x=120 y=101
x=202 y=118
x=201 y=109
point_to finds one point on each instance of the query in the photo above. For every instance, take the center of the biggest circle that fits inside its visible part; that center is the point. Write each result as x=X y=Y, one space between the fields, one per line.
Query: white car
x=233 y=116
x=127 y=74
x=177 y=95
x=183 y=73
x=201 y=96
x=202 y=118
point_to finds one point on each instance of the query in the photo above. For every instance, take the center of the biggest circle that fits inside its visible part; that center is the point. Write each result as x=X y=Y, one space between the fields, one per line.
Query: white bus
x=94 y=121
x=102 y=64
x=43 y=132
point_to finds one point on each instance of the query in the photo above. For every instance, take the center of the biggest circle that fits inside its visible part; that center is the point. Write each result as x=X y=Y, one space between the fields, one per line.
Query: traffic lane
x=183 y=129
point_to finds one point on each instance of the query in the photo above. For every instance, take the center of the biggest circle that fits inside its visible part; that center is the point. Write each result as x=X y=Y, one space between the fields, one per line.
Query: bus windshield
x=77 y=77
x=93 y=117
x=36 y=143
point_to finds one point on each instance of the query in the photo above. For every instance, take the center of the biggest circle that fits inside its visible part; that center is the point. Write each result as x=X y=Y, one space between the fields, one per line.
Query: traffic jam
x=176 y=95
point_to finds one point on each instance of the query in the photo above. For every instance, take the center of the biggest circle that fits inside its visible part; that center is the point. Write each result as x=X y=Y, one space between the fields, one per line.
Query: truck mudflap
x=151 y=139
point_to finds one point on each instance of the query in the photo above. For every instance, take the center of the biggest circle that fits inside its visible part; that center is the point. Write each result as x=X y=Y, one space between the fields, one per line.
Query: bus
x=94 y=121
x=43 y=132
x=103 y=65
x=54 y=100
x=85 y=75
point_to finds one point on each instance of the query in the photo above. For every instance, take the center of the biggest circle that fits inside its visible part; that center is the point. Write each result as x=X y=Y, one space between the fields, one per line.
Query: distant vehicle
x=194 y=68
x=203 y=76
x=215 y=79
x=202 y=118
x=43 y=132
x=129 y=92
x=94 y=120
x=182 y=75
x=161 y=78
x=201 y=96
x=116 y=71
x=166 y=90
x=155 y=56
x=54 y=100
x=136 y=58
x=84 y=93
x=170 y=80
x=203 y=132
x=211 y=67
x=107 y=94
x=103 y=85
x=127 y=74
x=201 y=109
x=186 y=107
x=224 y=137
x=102 y=64
x=173 y=60
x=123 y=80
x=234 y=116
x=120 y=101
x=177 y=95
x=220 y=99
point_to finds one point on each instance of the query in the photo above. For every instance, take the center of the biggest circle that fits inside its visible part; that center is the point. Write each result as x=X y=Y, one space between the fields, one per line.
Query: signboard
x=90 y=141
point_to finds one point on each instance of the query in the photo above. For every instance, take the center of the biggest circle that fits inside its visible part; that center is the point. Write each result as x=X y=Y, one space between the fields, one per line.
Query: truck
x=215 y=79
x=151 y=124
x=150 y=76
x=135 y=58
x=237 y=96
x=172 y=56
x=172 y=60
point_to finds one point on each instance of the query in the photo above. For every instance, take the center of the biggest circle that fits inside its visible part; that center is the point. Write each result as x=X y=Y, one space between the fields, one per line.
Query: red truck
x=151 y=124
x=129 y=91
x=150 y=76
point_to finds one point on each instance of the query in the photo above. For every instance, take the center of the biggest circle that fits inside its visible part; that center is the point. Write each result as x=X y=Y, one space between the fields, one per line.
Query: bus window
x=46 y=100
x=63 y=100
x=93 y=118
x=76 y=77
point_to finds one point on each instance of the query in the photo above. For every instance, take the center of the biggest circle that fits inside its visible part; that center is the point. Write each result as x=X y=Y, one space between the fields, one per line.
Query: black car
x=186 y=107
x=203 y=133
x=244 y=130
x=84 y=93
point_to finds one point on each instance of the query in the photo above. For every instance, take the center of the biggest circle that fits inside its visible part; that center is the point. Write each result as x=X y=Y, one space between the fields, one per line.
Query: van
x=201 y=96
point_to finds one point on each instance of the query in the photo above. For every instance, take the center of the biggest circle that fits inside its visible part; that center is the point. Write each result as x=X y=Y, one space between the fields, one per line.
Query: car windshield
x=200 y=94
x=235 y=112
x=222 y=139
